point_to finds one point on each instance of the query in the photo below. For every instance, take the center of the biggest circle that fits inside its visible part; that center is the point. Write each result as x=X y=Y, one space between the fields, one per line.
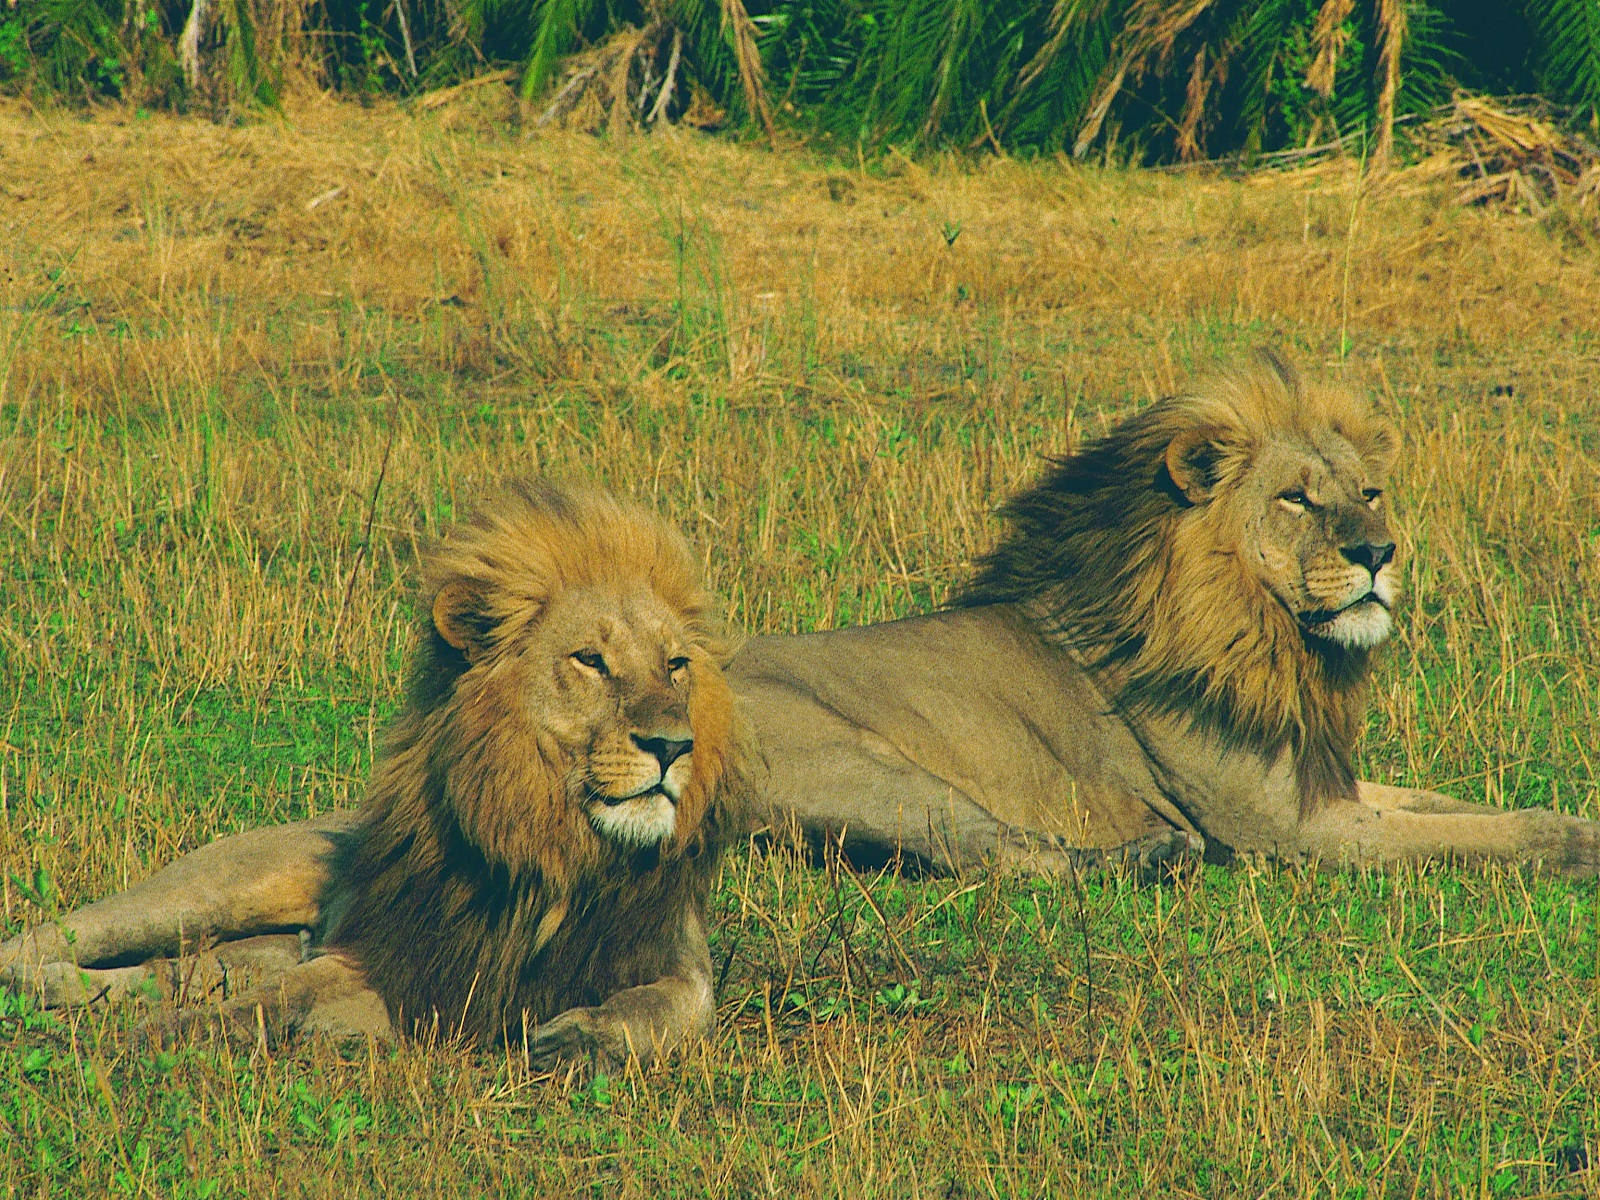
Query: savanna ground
x=244 y=370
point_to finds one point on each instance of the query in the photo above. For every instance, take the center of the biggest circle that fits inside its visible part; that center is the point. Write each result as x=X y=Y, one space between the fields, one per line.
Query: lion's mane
x=1109 y=556
x=473 y=893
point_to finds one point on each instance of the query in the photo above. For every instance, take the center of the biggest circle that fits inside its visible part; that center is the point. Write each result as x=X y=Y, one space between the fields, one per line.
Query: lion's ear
x=459 y=616
x=1196 y=459
x=1378 y=445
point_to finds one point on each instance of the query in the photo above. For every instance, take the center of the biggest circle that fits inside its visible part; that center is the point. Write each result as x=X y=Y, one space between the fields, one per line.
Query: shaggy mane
x=474 y=893
x=1106 y=553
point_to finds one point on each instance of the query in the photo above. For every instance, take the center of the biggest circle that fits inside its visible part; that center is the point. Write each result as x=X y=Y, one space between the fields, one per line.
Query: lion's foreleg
x=647 y=1022
x=262 y=881
x=1385 y=797
x=1389 y=825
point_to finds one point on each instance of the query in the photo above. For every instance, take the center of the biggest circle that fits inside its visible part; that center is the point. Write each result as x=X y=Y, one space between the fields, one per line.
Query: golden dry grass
x=214 y=341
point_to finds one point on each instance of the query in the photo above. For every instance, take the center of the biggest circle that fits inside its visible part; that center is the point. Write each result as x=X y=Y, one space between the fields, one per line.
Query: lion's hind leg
x=1146 y=857
x=260 y=882
x=67 y=985
x=327 y=996
x=223 y=970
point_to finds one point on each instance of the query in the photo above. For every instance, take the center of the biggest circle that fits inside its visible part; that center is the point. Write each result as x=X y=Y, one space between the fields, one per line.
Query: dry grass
x=213 y=342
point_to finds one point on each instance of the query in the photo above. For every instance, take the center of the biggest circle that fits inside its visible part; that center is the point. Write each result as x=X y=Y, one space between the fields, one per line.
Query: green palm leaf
x=1569 y=62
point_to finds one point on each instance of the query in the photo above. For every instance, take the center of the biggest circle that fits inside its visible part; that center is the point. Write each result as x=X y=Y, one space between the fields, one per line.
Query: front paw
x=1580 y=850
x=28 y=951
x=578 y=1033
x=1158 y=854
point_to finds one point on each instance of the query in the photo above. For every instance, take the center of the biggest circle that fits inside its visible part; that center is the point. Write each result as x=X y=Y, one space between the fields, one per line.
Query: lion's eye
x=1296 y=500
x=1372 y=496
x=591 y=659
x=677 y=664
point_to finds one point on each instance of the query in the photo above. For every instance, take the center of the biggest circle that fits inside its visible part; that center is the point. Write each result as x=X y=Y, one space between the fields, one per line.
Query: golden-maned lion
x=1170 y=643
x=538 y=837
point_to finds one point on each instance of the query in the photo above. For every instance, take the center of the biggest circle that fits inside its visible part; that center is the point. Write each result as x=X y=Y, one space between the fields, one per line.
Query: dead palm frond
x=1515 y=152
x=1391 y=36
x=1328 y=39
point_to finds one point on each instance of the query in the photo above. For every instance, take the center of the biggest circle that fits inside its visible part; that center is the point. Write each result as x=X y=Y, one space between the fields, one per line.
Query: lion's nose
x=665 y=750
x=1371 y=555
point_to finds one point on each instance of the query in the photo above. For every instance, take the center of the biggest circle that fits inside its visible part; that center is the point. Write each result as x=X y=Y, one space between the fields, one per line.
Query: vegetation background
x=245 y=368
x=1131 y=80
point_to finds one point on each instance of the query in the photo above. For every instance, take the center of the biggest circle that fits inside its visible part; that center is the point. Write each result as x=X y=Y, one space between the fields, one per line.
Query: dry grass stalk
x=442 y=96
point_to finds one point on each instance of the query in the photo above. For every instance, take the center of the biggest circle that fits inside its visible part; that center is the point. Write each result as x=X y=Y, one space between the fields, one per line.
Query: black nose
x=1370 y=555
x=666 y=750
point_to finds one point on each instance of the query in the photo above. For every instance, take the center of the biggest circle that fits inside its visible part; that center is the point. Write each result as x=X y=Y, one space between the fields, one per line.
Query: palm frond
x=555 y=33
x=1569 y=37
x=1329 y=37
x=1391 y=22
x=1152 y=79
x=741 y=38
x=75 y=45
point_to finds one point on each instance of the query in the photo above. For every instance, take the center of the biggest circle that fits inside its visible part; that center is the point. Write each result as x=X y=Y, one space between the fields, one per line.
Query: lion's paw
x=578 y=1033
x=1580 y=849
x=1152 y=856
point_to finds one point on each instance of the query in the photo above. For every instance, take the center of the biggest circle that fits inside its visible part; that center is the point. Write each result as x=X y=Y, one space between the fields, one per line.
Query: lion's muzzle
x=1371 y=555
x=643 y=810
x=1361 y=618
x=665 y=751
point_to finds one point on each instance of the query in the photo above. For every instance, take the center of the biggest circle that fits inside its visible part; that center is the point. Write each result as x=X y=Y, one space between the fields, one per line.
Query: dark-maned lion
x=1171 y=641
x=538 y=837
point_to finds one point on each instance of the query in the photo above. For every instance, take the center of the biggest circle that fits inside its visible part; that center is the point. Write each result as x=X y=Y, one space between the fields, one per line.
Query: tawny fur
x=1111 y=556
x=477 y=893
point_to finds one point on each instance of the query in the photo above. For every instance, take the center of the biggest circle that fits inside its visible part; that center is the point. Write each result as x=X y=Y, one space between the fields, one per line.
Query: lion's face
x=1300 y=507
x=1316 y=530
x=616 y=697
x=573 y=684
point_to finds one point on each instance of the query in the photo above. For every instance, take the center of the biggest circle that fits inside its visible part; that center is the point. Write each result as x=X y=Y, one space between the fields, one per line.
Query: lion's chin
x=1359 y=626
x=641 y=821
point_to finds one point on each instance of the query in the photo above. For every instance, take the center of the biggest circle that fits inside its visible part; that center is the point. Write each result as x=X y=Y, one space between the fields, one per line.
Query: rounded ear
x=459 y=617
x=1194 y=460
x=1379 y=447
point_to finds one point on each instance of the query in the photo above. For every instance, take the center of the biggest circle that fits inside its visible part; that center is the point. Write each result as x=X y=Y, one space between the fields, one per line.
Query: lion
x=538 y=838
x=1167 y=653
